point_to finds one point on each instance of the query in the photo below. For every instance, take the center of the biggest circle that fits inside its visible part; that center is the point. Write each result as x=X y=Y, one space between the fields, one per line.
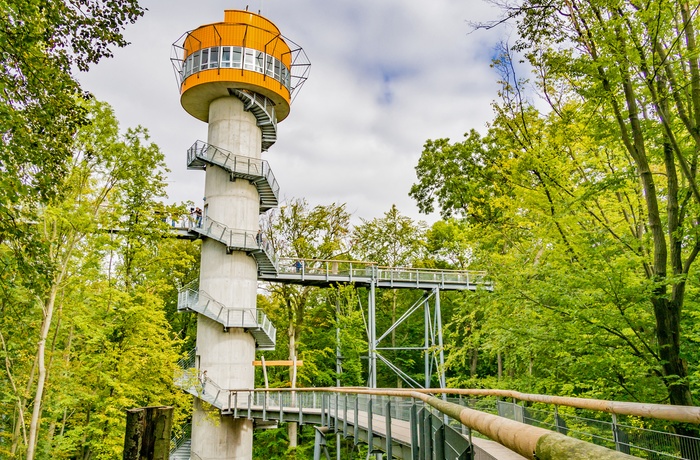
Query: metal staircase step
x=263 y=110
x=251 y=319
x=183 y=452
x=257 y=171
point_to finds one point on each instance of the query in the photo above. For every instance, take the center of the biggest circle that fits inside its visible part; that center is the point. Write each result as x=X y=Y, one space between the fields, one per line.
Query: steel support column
x=387 y=419
x=372 y=334
x=414 y=423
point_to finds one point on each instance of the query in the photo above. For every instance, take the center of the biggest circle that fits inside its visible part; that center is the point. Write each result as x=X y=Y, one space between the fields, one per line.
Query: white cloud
x=385 y=77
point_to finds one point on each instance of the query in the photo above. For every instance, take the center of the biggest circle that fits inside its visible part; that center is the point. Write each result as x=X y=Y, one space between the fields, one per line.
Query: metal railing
x=188 y=361
x=261 y=102
x=540 y=423
x=236 y=164
x=177 y=441
x=189 y=298
x=396 y=274
x=236 y=239
x=266 y=325
x=607 y=430
x=359 y=270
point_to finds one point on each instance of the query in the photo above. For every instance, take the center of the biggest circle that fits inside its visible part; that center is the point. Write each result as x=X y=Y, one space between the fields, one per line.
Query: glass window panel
x=214 y=57
x=249 y=60
x=278 y=65
x=205 y=59
x=237 y=55
x=195 y=62
x=270 y=66
x=226 y=56
x=259 y=61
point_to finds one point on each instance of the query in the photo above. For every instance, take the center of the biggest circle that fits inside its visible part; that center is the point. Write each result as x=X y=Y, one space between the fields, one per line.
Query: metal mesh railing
x=343 y=406
x=236 y=164
x=177 y=441
x=262 y=103
x=359 y=270
x=607 y=430
x=239 y=239
x=189 y=298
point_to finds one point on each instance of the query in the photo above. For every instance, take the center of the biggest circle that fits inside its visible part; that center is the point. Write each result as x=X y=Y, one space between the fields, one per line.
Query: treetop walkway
x=416 y=424
x=327 y=272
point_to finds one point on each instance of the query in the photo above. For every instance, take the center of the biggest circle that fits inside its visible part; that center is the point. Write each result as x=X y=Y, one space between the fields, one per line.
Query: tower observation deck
x=239 y=76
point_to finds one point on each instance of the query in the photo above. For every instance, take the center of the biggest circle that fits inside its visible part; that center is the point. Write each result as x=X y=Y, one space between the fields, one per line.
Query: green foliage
x=87 y=339
x=272 y=445
x=440 y=170
x=636 y=69
x=40 y=107
x=572 y=260
x=301 y=232
x=393 y=240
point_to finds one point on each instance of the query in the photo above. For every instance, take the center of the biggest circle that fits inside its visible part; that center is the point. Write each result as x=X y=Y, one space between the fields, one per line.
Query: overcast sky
x=386 y=75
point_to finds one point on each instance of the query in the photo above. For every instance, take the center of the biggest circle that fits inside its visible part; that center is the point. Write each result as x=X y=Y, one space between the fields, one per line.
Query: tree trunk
x=499 y=358
x=41 y=381
x=474 y=362
x=147 y=434
x=41 y=347
x=675 y=368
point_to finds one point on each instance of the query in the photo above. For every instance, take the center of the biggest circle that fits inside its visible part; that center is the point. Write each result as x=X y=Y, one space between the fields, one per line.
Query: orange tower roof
x=245 y=51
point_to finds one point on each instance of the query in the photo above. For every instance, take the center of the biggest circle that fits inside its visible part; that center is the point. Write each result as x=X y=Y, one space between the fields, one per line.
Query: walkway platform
x=325 y=273
x=360 y=417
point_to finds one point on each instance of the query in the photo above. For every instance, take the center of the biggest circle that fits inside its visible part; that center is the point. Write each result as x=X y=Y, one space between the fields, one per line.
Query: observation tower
x=238 y=76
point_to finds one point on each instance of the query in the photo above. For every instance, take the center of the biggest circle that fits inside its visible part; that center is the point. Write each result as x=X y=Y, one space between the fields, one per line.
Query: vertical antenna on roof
x=246 y=7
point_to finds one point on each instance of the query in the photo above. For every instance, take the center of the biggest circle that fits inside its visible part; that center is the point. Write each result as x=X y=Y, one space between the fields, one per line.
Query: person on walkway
x=298 y=265
x=259 y=238
x=203 y=380
x=192 y=218
x=198 y=217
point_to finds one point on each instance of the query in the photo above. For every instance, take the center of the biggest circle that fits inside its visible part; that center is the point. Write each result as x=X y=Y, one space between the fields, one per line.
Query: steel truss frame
x=432 y=346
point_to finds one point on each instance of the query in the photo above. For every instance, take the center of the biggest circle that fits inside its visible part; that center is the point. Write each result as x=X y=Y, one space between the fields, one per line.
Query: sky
x=385 y=77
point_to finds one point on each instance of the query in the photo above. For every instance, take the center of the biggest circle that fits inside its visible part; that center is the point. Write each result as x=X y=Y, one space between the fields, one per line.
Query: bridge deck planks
x=400 y=429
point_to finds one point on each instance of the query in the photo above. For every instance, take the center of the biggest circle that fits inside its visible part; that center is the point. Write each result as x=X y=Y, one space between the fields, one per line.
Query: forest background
x=580 y=200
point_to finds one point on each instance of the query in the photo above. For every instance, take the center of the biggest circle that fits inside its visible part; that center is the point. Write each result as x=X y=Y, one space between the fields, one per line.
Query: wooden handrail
x=673 y=413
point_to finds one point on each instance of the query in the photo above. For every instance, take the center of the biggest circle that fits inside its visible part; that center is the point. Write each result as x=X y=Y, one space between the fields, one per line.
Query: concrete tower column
x=235 y=75
x=231 y=279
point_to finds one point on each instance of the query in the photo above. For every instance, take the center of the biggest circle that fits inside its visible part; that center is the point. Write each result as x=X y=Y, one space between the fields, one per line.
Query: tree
x=639 y=65
x=565 y=248
x=612 y=169
x=450 y=243
x=440 y=169
x=301 y=234
x=91 y=338
x=41 y=42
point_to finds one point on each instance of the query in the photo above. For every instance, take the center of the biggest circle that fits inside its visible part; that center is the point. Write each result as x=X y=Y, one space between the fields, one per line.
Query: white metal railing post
x=264 y=406
x=295 y=399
